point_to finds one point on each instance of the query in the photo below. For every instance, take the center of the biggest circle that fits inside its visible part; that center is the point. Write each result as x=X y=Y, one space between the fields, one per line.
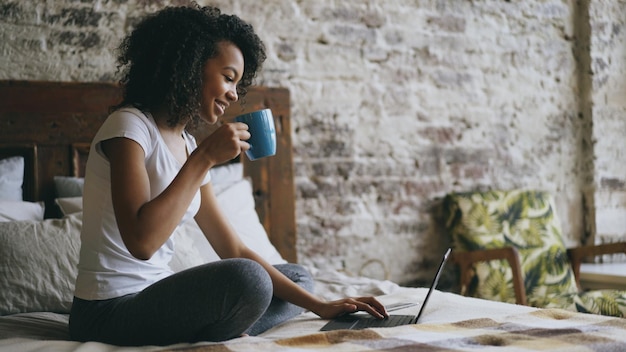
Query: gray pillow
x=38 y=262
x=67 y=186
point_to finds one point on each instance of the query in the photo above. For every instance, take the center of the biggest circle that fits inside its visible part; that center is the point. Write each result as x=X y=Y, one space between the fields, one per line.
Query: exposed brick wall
x=396 y=103
x=608 y=68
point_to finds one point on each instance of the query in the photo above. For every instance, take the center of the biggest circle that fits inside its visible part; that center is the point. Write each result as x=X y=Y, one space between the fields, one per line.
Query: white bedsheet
x=24 y=332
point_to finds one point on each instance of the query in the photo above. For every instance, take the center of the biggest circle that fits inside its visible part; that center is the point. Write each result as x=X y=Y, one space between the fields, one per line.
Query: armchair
x=509 y=247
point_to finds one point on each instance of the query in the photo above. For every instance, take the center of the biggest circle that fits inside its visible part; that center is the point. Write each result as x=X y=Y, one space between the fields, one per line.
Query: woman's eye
x=228 y=78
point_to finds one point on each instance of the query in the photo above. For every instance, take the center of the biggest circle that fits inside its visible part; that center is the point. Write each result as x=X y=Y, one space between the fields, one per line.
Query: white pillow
x=11 y=178
x=237 y=202
x=190 y=248
x=225 y=175
x=70 y=205
x=38 y=262
x=21 y=211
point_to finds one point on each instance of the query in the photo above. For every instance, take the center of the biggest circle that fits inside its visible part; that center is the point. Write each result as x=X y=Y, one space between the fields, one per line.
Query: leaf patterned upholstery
x=527 y=221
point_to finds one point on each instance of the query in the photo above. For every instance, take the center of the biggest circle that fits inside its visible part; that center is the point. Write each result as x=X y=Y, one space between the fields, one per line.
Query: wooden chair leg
x=510 y=254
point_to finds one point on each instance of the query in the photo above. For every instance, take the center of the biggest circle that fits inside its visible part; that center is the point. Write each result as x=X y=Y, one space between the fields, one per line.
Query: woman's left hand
x=329 y=310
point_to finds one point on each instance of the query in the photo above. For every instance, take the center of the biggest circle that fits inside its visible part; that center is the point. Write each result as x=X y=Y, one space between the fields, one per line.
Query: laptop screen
x=433 y=285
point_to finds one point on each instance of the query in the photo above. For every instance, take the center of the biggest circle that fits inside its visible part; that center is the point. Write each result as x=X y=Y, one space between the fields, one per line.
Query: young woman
x=146 y=175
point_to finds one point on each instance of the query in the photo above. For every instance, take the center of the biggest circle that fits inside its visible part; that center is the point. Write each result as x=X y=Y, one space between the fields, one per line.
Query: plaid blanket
x=541 y=330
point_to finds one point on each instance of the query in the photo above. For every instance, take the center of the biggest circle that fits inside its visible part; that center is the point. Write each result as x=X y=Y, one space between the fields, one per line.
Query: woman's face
x=219 y=81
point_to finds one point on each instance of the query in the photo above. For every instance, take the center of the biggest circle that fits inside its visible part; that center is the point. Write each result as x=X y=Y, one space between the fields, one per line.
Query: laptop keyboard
x=355 y=322
x=393 y=320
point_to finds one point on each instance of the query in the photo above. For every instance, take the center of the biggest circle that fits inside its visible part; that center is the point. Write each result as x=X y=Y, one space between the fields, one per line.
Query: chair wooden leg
x=510 y=254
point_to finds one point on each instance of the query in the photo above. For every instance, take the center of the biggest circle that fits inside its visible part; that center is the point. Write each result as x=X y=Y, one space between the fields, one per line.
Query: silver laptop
x=363 y=321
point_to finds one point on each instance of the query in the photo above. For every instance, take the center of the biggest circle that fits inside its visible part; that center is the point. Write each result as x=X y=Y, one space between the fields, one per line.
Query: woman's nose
x=232 y=95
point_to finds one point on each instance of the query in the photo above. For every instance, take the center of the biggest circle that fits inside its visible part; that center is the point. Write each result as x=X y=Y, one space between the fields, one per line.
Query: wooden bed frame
x=51 y=124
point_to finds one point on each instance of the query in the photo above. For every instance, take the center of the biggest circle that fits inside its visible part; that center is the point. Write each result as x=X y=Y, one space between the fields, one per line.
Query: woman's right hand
x=226 y=143
x=329 y=310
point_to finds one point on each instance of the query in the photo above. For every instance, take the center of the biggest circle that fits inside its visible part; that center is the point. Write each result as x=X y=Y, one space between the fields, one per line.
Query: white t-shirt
x=106 y=268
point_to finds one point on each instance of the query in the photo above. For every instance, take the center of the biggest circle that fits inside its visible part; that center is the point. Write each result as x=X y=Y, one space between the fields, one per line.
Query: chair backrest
x=524 y=219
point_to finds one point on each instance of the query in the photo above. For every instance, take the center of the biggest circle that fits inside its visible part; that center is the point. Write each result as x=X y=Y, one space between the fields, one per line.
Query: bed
x=45 y=131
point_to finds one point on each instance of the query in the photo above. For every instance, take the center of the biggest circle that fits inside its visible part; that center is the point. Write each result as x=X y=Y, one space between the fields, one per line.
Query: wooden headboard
x=51 y=124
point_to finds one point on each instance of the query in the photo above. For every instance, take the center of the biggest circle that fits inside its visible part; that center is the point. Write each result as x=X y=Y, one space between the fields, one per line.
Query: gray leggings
x=211 y=302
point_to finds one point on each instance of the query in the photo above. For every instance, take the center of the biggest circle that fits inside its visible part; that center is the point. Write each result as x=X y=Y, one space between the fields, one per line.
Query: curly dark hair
x=163 y=58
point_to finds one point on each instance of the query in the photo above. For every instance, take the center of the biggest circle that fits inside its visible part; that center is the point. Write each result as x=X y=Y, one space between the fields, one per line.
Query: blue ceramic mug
x=262 y=133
